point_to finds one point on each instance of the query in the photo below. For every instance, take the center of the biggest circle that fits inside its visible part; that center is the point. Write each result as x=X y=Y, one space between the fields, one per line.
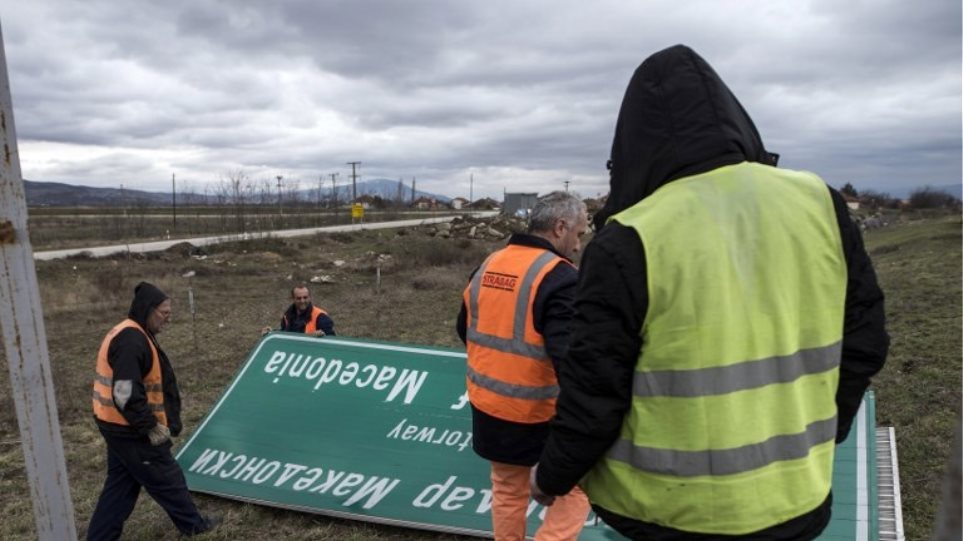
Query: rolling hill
x=59 y=194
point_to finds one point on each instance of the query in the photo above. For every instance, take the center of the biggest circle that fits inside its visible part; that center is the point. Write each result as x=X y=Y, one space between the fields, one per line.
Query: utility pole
x=471 y=189
x=320 y=181
x=334 y=190
x=25 y=346
x=412 y=189
x=566 y=184
x=174 y=200
x=354 y=181
x=280 y=209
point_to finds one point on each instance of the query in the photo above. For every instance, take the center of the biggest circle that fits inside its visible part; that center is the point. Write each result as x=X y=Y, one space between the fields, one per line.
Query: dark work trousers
x=133 y=463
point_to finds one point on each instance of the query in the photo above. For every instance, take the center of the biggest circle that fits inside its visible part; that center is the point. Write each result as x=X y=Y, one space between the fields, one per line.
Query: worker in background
x=303 y=316
x=514 y=320
x=728 y=323
x=137 y=407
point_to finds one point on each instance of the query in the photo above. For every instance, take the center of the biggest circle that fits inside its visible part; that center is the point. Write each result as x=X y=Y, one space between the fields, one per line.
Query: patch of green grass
x=918 y=391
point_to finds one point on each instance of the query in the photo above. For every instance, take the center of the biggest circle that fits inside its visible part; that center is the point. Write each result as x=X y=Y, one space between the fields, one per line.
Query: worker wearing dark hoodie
x=728 y=320
x=138 y=409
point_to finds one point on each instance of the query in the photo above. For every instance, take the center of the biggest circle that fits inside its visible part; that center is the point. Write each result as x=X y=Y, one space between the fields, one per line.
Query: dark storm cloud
x=858 y=92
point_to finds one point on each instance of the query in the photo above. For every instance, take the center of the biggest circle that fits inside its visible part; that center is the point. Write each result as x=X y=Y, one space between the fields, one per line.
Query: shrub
x=343 y=238
x=929 y=198
x=878 y=200
x=440 y=254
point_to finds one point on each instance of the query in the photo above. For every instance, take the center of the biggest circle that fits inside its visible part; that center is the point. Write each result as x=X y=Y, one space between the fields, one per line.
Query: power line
x=320 y=187
x=354 y=180
x=280 y=209
x=334 y=190
x=174 y=201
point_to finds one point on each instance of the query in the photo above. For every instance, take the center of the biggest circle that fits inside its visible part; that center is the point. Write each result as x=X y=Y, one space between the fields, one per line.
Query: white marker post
x=25 y=342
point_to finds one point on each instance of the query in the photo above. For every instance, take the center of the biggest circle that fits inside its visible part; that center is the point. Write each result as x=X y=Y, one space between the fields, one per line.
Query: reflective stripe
x=110 y=403
x=525 y=290
x=737 y=377
x=103 y=401
x=724 y=461
x=150 y=387
x=512 y=390
x=516 y=344
x=506 y=345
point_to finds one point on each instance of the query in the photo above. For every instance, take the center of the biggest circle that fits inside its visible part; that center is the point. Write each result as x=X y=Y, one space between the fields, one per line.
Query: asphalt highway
x=157 y=246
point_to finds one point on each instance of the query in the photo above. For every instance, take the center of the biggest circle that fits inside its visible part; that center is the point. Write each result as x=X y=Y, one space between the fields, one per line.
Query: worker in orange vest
x=303 y=316
x=137 y=407
x=514 y=321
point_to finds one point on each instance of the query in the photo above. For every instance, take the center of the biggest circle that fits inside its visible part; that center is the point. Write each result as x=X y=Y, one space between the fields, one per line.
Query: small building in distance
x=425 y=203
x=519 y=204
x=486 y=203
x=851 y=201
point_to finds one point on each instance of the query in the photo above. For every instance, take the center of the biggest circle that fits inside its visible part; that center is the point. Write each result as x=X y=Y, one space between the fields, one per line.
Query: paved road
x=188 y=215
x=157 y=246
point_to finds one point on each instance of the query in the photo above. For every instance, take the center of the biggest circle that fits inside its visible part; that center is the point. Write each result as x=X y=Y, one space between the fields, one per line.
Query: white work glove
x=159 y=434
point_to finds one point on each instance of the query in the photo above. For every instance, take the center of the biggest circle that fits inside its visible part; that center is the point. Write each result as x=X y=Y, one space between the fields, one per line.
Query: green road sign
x=366 y=430
x=372 y=431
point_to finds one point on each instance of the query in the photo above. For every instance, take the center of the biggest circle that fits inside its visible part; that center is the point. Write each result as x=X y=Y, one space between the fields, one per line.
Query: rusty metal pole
x=25 y=343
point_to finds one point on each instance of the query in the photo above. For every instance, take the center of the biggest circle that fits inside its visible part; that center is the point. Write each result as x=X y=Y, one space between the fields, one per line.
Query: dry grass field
x=239 y=288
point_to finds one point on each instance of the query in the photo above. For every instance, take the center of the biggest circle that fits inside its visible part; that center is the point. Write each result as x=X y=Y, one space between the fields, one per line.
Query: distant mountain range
x=381 y=187
x=58 y=194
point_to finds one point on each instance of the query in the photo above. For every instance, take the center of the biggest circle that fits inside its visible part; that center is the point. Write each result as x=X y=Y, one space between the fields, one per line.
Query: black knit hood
x=146 y=298
x=678 y=119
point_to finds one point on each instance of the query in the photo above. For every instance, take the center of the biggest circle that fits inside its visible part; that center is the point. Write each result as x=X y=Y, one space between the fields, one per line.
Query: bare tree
x=264 y=196
x=877 y=200
x=188 y=195
x=292 y=194
x=233 y=183
x=931 y=198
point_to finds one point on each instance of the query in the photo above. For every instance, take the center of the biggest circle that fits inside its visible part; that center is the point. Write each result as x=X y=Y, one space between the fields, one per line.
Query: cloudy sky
x=522 y=95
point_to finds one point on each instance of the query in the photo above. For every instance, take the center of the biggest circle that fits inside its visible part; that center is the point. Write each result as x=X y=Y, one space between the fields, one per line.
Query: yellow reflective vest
x=733 y=418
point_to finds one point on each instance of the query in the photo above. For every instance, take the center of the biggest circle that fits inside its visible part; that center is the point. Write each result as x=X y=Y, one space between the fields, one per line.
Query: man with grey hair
x=514 y=321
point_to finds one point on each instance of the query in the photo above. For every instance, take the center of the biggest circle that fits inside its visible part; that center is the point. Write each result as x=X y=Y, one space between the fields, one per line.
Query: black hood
x=146 y=297
x=677 y=119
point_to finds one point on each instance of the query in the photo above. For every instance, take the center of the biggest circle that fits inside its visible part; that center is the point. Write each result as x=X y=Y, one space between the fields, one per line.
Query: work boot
x=210 y=522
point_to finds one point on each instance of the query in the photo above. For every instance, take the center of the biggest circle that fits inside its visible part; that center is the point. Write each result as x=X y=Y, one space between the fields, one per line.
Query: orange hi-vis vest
x=104 y=407
x=312 y=324
x=510 y=376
